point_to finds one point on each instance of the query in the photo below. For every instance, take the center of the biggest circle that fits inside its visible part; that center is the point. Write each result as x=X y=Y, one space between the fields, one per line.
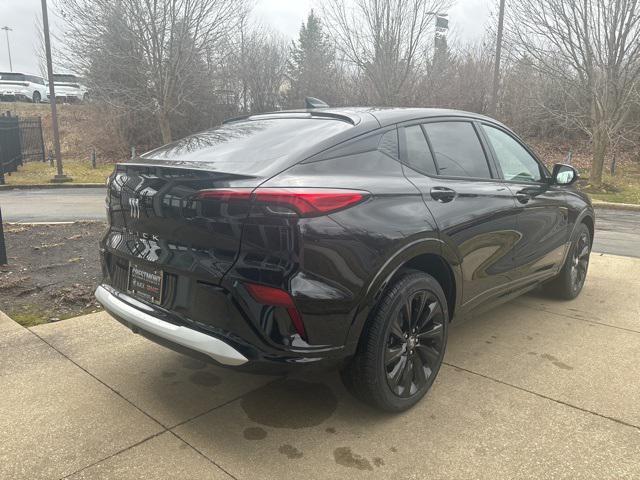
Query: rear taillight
x=225 y=194
x=304 y=202
x=277 y=298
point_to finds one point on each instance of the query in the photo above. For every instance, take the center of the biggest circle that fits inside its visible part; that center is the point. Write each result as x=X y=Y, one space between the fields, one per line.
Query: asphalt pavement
x=53 y=205
x=617 y=231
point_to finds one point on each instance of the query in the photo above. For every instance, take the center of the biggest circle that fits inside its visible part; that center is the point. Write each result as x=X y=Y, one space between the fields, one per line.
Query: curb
x=51 y=186
x=616 y=206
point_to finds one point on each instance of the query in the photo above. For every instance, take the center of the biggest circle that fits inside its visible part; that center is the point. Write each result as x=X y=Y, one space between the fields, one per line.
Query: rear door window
x=457 y=150
x=418 y=154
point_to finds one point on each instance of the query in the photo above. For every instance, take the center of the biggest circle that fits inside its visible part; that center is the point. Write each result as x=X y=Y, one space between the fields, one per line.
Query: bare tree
x=590 y=48
x=386 y=40
x=150 y=53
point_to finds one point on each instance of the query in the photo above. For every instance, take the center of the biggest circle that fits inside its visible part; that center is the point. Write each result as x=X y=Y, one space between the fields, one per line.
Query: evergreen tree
x=311 y=70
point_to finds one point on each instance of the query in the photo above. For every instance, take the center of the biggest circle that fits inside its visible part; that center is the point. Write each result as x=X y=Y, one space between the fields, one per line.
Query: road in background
x=617 y=231
x=53 y=205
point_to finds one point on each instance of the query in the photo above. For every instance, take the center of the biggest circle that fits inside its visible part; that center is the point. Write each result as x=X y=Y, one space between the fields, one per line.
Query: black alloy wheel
x=580 y=261
x=415 y=343
x=402 y=346
x=568 y=283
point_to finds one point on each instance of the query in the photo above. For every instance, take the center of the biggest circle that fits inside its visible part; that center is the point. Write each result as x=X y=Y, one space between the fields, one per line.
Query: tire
x=569 y=282
x=394 y=367
x=36 y=97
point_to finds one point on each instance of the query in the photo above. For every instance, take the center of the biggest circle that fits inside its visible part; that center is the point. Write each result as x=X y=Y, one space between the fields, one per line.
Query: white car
x=69 y=88
x=21 y=86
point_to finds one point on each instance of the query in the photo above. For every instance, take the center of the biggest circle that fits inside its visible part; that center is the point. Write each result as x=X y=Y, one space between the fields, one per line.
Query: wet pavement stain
x=193 y=364
x=330 y=430
x=556 y=362
x=393 y=449
x=205 y=379
x=290 y=404
x=378 y=462
x=255 y=433
x=290 y=451
x=345 y=457
x=166 y=374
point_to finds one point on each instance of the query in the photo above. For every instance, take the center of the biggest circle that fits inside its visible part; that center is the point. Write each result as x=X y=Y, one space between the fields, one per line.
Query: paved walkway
x=534 y=389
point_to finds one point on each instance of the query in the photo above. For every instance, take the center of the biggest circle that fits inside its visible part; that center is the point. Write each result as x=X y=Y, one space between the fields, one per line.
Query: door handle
x=443 y=194
x=523 y=196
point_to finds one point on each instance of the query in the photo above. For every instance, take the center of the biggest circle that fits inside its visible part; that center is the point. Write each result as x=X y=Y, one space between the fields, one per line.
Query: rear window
x=457 y=150
x=252 y=147
x=15 y=77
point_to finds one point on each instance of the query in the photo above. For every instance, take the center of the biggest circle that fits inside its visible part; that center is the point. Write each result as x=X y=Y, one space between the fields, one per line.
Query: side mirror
x=564 y=174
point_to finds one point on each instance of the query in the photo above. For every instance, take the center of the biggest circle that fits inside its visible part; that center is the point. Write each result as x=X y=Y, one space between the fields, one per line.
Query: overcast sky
x=468 y=19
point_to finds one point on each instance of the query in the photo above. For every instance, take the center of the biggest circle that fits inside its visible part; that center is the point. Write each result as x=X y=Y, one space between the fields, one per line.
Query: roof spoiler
x=311 y=102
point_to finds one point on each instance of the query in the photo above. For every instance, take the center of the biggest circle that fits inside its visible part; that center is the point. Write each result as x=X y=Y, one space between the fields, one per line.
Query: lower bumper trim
x=215 y=348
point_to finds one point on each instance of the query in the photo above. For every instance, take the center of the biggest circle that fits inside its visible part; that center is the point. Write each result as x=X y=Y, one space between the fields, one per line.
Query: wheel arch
x=588 y=220
x=431 y=256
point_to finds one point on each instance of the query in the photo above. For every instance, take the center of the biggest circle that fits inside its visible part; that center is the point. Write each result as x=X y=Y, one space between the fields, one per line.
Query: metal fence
x=31 y=139
x=21 y=141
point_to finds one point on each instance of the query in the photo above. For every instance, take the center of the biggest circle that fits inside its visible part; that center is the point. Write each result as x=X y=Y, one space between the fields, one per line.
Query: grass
x=30 y=315
x=624 y=187
x=80 y=171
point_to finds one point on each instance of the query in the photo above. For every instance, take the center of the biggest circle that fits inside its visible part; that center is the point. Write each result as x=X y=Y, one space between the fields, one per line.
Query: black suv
x=337 y=237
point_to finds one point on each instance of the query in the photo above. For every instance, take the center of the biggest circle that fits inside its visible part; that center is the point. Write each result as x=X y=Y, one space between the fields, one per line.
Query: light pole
x=6 y=31
x=60 y=176
x=493 y=107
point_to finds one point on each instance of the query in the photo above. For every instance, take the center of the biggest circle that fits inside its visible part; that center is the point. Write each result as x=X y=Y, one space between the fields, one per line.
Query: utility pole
x=60 y=176
x=6 y=31
x=493 y=107
x=3 y=248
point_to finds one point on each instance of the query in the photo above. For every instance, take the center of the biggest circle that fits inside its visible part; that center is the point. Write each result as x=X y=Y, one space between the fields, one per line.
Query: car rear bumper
x=132 y=313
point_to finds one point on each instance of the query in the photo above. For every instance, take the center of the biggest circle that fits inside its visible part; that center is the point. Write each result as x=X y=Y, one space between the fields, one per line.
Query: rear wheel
x=36 y=97
x=569 y=282
x=403 y=345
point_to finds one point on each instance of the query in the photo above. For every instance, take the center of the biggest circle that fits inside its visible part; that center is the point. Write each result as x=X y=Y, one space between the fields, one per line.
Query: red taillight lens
x=306 y=202
x=225 y=194
x=309 y=202
x=277 y=298
x=270 y=295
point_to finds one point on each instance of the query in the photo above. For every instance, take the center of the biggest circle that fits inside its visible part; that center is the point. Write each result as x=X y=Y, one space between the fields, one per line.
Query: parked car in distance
x=21 y=86
x=345 y=238
x=70 y=88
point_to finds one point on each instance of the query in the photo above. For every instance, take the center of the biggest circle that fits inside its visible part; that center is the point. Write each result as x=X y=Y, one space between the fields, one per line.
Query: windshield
x=16 y=77
x=59 y=78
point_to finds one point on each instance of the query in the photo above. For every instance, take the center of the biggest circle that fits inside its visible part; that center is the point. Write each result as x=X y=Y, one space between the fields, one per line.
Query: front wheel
x=36 y=97
x=569 y=282
x=402 y=346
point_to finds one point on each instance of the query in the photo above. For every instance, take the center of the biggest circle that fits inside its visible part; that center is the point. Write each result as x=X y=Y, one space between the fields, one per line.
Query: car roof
x=384 y=116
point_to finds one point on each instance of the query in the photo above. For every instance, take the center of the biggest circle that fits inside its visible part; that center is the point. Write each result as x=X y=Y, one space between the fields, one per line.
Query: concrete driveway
x=534 y=389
